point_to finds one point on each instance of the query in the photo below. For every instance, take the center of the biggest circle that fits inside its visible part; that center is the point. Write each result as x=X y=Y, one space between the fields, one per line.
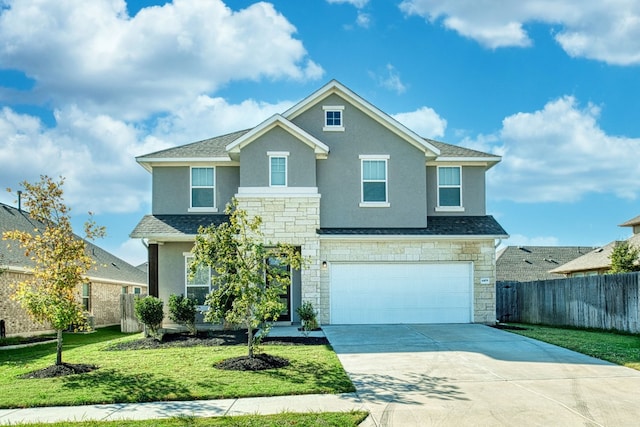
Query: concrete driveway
x=474 y=375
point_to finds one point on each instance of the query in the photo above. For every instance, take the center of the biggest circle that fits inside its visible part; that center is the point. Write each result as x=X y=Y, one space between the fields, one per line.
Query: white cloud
x=390 y=80
x=424 y=121
x=207 y=117
x=560 y=154
x=357 y=3
x=96 y=153
x=132 y=250
x=605 y=30
x=94 y=55
x=363 y=20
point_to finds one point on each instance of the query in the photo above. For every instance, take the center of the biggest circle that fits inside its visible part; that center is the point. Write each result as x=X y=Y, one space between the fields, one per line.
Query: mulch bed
x=212 y=339
x=259 y=362
x=60 y=370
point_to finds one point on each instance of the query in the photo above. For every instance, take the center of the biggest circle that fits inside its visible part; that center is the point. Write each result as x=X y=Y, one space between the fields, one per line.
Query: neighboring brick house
x=598 y=261
x=531 y=263
x=100 y=295
x=394 y=225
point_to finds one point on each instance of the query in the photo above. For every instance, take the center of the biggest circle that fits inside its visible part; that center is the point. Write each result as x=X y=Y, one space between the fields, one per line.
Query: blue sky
x=553 y=87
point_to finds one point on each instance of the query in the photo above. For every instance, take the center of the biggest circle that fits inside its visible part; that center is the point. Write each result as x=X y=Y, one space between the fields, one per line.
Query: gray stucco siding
x=254 y=160
x=339 y=176
x=171 y=269
x=171 y=187
x=473 y=191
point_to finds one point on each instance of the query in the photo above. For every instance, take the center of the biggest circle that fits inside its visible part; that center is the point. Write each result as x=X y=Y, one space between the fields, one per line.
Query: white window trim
x=449 y=208
x=279 y=154
x=206 y=208
x=188 y=256
x=379 y=157
x=333 y=128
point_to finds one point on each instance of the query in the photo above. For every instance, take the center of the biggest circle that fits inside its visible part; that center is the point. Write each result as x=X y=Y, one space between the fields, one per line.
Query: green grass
x=164 y=374
x=620 y=348
x=323 y=419
x=338 y=419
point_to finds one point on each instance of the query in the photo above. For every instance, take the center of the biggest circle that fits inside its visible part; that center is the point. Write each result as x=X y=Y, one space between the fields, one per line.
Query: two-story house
x=394 y=225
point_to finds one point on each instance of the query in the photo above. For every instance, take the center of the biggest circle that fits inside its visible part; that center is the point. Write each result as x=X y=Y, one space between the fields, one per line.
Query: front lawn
x=180 y=373
x=328 y=419
x=622 y=349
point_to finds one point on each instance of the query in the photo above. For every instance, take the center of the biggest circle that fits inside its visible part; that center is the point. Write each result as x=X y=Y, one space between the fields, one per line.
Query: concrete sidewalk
x=196 y=408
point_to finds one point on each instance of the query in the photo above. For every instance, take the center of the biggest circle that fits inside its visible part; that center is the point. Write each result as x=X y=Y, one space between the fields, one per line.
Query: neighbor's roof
x=108 y=266
x=598 y=259
x=631 y=222
x=530 y=263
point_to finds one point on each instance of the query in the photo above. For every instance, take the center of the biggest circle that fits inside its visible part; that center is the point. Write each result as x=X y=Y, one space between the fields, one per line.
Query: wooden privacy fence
x=602 y=302
x=128 y=320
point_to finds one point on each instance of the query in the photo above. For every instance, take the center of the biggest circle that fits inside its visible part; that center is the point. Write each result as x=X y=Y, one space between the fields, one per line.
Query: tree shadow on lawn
x=325 y=378
x=134 y=387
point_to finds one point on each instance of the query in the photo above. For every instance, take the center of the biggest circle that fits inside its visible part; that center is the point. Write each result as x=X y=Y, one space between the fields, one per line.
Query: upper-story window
x=203 y=189
x=333 y=117
x=374 y=181
x=278 y=169
x=198 y=285
x=449 y=188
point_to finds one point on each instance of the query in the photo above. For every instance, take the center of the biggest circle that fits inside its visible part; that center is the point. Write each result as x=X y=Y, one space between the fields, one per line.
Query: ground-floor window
x=198 y=286
x=86 y=296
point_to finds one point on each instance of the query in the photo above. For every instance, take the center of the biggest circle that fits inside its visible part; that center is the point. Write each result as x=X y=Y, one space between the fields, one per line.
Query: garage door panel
x=401 y=293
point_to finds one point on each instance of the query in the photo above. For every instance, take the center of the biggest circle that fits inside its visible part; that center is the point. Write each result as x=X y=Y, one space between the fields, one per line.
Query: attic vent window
x=333 y=118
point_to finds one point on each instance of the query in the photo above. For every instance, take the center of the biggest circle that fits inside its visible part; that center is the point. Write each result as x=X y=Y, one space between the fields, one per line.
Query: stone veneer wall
x=291 y=219
x=480 y=252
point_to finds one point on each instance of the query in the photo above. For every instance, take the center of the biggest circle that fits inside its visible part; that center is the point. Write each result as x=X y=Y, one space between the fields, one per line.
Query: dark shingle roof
x=108 y=266
x=436 y=226
x=174 y=225
x=215 y=147
x=450 y=150
x=530 y=263
x=212 y=147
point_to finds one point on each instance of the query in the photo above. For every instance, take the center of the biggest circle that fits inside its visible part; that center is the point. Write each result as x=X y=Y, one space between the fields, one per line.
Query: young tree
x=624 y=258
x=51 y=293
x=247 y=288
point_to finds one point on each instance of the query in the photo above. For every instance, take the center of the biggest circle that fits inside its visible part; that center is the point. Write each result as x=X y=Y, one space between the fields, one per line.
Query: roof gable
x=320 y=149
x=335 y=87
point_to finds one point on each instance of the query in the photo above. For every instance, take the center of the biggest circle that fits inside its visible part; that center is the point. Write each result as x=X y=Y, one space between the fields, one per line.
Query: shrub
x=183 y=310
x=308 y=316
x=149 y=311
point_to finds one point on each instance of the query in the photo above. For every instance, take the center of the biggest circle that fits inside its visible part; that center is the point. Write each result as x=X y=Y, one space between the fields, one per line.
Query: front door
x=285 y=298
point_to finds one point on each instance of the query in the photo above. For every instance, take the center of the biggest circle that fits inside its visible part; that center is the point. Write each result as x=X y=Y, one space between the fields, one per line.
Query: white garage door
x=366 y=293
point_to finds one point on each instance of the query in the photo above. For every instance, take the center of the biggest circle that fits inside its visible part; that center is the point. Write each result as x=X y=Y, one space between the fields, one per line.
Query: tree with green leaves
x=249 y=277
x=51 y=293
x=624 y=258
